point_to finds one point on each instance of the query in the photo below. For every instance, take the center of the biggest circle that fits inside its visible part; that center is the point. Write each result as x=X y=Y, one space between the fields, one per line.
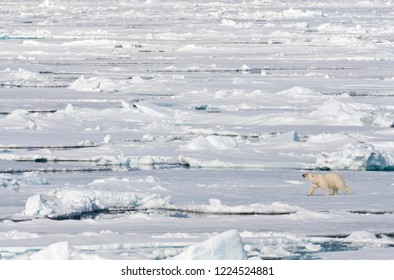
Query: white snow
x=156 y=130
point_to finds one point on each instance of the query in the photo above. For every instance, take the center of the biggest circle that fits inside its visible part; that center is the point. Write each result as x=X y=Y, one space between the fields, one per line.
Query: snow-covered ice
x=157 y=130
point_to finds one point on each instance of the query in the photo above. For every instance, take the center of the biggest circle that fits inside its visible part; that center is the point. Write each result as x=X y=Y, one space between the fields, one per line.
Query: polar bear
x=332 y=181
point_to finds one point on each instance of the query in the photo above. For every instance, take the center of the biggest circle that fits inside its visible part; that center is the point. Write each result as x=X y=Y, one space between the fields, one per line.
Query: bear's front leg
x=312 y=190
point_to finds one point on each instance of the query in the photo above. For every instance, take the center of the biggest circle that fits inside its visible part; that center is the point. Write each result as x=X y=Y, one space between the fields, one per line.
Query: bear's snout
x=304 y=175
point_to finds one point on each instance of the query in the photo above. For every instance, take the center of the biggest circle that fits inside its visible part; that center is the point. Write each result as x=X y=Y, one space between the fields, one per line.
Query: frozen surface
x=157 y=130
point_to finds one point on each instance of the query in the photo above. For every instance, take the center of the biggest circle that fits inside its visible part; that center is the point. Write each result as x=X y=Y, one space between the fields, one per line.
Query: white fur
x=330 y=181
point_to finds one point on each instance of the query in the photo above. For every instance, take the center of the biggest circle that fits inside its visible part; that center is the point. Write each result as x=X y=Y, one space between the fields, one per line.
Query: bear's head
x=308 y=176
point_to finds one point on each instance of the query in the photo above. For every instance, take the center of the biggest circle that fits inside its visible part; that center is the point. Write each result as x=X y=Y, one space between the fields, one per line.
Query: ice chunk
x=339 y=113
x=369 y=239
x=287 y=137
x=21 y=118
x=383 y=119
x=64 y=203
x=28 y=178
x=245 y=68
x=222 y=142
x=22 y=77
x=95 y=84
x=194 y=48
x=295 y=13
x=107 y=139
x=36 y=205
x=57 y=251
x=356 y=157
x=361 y=236
x=299 y=92
x=154 y=110
x=214 y=142
x=225 y=246
x=6 y=181
x=45 y=4
x=137 y=80
x=70 y=109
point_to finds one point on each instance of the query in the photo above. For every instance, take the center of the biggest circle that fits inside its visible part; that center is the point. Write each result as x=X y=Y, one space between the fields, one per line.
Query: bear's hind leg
x=326 y=191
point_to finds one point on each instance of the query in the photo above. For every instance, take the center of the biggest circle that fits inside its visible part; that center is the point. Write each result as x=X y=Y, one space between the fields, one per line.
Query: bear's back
x=334 y=179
